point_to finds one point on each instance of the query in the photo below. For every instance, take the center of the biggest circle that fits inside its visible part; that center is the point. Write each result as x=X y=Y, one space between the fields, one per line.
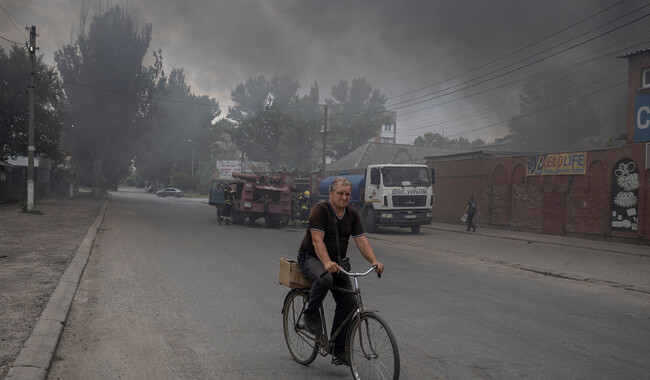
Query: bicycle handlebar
x=356 y=274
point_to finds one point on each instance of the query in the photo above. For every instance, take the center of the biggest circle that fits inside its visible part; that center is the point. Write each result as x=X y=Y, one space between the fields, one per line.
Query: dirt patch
x=35 y=250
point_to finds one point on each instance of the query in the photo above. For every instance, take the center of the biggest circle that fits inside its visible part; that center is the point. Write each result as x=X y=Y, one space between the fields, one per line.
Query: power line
x=542 y=109
x=565 y=69
x=520 y=67
x=468 y=84
x=516 y=51
x=12 y=42
x=11 y=19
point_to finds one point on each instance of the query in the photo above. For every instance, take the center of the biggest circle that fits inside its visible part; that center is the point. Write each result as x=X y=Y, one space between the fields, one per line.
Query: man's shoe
x=312 y=322
x=339 y=357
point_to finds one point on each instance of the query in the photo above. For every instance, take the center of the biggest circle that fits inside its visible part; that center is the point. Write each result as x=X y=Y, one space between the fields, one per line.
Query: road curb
x=542 y=239
x=33 y=361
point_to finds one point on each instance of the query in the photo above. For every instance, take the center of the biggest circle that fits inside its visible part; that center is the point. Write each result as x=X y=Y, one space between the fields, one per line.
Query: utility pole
x=324 y=143
x=30 y=133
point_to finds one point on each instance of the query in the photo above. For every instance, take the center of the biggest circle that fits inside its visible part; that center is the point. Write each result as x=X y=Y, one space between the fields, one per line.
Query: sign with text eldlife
x=556 y=164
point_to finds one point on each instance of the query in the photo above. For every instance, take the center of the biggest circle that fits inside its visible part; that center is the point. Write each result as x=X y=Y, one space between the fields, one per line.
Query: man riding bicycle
x=319 y=259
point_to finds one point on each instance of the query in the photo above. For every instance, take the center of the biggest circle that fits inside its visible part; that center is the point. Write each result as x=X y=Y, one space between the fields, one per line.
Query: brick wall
x=508 y=198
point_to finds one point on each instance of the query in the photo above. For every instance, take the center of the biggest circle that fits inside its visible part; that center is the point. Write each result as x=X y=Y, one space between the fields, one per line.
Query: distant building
x=388 y=133
x=594 y=194
x=13 y=178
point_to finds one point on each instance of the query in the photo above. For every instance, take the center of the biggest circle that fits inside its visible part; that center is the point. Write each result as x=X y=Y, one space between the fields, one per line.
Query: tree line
x=115 y=117
x=105 y=116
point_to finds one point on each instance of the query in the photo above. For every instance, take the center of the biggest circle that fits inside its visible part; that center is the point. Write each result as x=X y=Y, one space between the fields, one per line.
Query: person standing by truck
x=319 y=262
x=228 y=200
x=470 y=209
x=305 y=205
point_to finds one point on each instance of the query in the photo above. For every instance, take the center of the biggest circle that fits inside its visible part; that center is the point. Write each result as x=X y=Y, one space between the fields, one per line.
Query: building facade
x=599 y=194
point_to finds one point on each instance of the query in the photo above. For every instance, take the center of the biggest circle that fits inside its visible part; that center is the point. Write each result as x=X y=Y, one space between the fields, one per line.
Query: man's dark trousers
x=312 y=268
x=470 y=218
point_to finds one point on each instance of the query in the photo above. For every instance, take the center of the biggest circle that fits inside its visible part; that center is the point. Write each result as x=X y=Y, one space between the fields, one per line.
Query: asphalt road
x=169 y=294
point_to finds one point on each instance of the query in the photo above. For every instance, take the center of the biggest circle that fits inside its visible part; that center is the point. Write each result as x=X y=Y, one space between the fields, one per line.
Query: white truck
x=390 y=195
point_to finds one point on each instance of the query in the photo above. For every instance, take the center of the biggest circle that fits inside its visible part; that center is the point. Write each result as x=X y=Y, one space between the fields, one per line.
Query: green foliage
x=435 y=140
x=357 y=112
x=203 y=176
x=183 y=181
x=49 y=103
x=274 y=124
x=109 y=92
x=179 y=130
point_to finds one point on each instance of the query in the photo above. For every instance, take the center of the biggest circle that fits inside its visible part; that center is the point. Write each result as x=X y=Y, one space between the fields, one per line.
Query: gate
x=554 y=213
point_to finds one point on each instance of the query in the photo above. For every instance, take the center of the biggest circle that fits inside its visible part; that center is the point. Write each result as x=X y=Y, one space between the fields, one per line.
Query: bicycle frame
x=325 y=344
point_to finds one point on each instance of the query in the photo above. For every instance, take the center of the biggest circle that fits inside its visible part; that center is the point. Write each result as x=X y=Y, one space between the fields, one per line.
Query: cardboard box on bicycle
x=290 y=275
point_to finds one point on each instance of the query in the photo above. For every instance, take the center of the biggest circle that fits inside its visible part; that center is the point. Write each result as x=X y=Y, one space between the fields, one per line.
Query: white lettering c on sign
x=646 y=110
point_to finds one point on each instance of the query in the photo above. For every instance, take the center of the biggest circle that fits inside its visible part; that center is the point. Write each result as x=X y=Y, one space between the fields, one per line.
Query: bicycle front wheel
x=302 y=344
x=373 y=349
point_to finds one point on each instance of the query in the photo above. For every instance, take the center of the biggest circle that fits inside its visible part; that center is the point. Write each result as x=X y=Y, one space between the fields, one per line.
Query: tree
x=178 y=130
x=49 y=102
x=435 y=140
x=273 y=123
x=109 y=91
x=299 y=138
x=357 y=114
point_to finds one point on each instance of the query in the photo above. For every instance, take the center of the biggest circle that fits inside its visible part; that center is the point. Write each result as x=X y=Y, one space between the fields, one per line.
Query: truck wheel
x=415 y=229
x=370 y=222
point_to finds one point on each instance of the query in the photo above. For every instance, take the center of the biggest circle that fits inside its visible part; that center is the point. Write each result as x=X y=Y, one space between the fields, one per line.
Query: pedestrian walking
x=470 y=209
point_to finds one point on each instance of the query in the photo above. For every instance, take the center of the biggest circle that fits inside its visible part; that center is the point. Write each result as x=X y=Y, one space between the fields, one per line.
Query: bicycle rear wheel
x=302 y=344
x=373 y=349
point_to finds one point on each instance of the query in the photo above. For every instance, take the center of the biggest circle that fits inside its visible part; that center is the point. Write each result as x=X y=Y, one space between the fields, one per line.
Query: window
x=374 y=176
x=645 y=79
x=388 y=127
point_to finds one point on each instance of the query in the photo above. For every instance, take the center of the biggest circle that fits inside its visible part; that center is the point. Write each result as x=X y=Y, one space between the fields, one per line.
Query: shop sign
x=556 y=164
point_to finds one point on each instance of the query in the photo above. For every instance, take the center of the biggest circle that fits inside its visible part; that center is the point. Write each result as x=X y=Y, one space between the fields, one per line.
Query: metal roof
x=378 y=153
x=633 y=53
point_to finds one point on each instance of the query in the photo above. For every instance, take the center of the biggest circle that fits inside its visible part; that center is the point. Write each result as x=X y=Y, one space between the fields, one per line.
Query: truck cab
x=398 y=195
x=390 y=195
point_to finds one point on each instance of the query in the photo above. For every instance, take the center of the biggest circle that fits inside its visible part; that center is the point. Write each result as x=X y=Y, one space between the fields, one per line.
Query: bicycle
x=370 y=346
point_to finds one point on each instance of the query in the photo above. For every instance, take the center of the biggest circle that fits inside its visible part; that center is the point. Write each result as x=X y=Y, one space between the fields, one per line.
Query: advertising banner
x=556 y=164
x=225 y=169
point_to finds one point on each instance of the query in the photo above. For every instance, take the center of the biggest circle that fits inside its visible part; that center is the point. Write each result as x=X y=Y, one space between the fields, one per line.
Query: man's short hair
x=340 y=180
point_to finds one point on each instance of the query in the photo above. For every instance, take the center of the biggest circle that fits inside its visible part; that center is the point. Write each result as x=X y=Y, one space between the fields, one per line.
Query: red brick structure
x=606 y=197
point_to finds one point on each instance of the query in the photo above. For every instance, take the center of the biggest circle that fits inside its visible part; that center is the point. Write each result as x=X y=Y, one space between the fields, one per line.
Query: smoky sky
x=402 y=48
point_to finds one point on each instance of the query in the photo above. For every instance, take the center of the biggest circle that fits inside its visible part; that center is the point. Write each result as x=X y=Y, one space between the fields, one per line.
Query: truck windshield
x=405 y=176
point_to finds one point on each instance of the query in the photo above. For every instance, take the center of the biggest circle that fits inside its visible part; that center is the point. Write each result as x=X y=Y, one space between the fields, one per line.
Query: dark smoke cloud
x=399 y=46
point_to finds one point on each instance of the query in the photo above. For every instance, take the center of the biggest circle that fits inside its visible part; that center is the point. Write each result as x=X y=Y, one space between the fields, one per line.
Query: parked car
x=170 y=192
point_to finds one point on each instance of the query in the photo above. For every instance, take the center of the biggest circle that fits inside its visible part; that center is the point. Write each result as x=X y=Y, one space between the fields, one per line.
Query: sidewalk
x=620 y=265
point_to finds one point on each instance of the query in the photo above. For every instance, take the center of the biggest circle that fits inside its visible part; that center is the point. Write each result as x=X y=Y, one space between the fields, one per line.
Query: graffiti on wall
x=625 y=195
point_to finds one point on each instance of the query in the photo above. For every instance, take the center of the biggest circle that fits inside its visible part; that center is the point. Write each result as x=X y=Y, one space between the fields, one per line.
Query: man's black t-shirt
x=320 y=219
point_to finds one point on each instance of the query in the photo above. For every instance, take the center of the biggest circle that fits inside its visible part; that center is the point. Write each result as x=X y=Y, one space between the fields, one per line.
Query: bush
x=183 y=181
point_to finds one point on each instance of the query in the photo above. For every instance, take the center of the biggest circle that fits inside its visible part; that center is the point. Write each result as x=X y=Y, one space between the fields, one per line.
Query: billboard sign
x=556 y=164
x=225 y=168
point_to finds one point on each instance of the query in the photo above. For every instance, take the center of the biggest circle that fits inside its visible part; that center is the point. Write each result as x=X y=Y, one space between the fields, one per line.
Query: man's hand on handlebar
x=379 y=267
x=332 y=267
